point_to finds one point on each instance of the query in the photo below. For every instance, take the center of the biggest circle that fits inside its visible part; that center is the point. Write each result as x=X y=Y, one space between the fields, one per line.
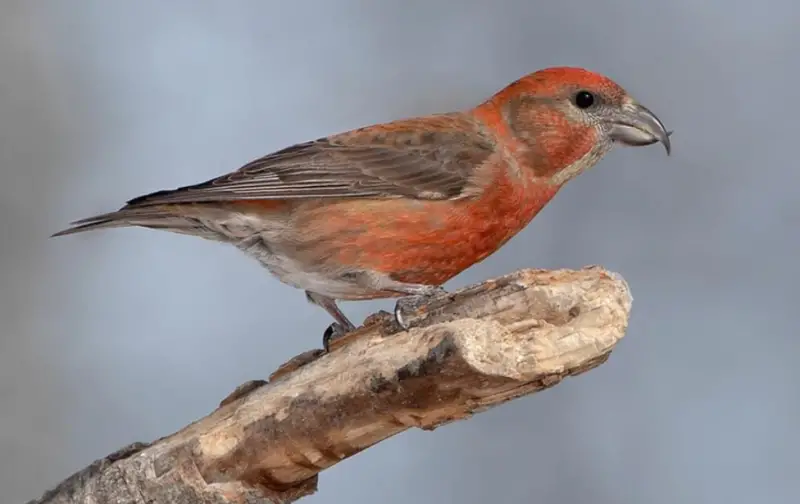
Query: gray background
x=127 y=335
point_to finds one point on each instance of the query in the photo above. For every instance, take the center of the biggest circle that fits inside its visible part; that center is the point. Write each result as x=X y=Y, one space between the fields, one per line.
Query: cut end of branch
x=465 y=351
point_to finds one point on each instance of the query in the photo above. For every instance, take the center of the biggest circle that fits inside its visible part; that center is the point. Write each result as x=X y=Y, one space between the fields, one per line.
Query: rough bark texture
x=466 y=351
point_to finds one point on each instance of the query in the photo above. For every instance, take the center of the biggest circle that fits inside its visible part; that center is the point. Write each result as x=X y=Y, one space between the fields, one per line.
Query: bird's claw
x=333 y=332
x=413 y=303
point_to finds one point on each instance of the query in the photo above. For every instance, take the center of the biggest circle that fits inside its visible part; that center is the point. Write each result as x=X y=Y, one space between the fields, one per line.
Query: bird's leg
x=337 y=329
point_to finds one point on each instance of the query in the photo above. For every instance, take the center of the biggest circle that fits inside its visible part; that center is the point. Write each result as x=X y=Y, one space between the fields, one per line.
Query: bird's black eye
x=584 y=99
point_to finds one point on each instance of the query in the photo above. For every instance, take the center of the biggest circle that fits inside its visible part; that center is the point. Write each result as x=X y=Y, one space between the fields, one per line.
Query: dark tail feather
x=80 y=226
x=149 y=217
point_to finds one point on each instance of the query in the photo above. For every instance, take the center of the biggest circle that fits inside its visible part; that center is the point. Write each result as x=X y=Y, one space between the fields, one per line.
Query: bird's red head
x=566 y=119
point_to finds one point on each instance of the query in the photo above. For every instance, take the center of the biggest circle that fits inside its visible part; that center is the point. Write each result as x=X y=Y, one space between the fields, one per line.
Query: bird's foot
x=334 y=332
x=414 y=302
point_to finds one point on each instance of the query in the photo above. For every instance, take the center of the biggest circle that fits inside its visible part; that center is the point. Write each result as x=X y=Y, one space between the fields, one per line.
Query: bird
x=396 y=209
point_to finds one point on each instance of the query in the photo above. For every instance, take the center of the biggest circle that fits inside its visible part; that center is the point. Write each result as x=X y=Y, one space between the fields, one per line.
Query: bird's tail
x=153 y=217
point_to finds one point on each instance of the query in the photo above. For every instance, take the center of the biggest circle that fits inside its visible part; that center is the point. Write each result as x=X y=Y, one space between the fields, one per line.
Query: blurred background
x=124 y=335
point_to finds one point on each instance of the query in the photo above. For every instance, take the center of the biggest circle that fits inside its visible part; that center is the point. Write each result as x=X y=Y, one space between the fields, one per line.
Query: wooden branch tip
x=465 y=351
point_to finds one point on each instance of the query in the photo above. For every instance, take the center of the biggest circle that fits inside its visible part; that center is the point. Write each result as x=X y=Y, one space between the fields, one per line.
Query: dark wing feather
x=425 y=158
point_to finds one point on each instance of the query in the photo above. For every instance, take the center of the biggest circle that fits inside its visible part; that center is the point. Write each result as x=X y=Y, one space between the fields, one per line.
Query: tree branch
x=467 y=351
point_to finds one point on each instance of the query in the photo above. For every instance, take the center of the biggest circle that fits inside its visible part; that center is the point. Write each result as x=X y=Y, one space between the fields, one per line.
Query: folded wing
x=427 y=158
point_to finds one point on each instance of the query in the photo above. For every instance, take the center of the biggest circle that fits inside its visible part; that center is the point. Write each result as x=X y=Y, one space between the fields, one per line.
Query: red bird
x=399 y=208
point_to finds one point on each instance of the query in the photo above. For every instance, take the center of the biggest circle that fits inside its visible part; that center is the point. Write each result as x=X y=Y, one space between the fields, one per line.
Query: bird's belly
x=411 y=241
x=431 y=248
x=280 y=258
